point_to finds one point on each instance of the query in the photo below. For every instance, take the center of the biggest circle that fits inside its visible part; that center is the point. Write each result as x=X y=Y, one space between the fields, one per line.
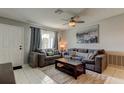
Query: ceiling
x=48 y=17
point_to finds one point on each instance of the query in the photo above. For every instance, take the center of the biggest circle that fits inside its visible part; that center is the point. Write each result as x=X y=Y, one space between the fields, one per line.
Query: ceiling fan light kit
x=72 y=24
x=73 y=21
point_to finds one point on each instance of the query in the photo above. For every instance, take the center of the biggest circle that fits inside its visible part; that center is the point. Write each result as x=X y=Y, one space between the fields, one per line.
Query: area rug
x=62 y=78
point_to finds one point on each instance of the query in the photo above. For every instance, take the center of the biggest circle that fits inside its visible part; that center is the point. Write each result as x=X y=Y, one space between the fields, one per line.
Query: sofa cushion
x=57 y=56
x=83 y=55
x=56 y=52
x=82 y=50
x=72 y=53
x=89 y=61
x=44 y=51
x=101 y=51
x=72 y=49
x=92 y=51
x=48 y=58
x=90 y=66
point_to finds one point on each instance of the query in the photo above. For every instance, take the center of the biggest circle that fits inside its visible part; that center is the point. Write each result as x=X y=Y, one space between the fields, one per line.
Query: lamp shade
x=62 y=46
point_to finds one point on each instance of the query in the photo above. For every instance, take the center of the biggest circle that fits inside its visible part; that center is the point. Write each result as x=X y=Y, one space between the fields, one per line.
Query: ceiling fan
x=73 y=21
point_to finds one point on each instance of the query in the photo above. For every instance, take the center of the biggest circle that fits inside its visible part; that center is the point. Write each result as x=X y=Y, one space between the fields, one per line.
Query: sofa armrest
x=41 y=57
x=33 y=59
x=100 y=63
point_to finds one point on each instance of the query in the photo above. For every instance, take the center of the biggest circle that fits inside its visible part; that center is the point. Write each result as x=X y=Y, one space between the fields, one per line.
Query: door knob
x=20 y=48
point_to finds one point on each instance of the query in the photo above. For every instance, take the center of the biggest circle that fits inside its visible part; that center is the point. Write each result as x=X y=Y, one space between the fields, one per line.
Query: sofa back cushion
x=43 y=51
x=101 y=51
x=56 y=52
x=86 y=56
x=72 y=49
x=49 y=50
x=72 y=53
x=92 y=51
x=97 y=51
x=38 y=50
x=82 y=50
x=83 y=55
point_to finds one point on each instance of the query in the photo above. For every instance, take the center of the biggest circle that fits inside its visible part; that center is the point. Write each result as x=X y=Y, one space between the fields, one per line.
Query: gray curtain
x=35 y=39
x=56 y=41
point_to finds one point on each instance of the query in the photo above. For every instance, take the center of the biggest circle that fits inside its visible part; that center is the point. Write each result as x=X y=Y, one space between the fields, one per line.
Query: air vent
x=115 y=58
x=58 y=11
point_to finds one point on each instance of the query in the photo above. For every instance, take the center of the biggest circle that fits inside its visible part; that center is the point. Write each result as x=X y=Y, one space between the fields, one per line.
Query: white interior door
x=11 y=44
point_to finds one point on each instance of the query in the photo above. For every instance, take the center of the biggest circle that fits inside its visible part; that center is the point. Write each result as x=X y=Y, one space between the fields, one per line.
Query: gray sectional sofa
x=95 y=59
x=41 y=58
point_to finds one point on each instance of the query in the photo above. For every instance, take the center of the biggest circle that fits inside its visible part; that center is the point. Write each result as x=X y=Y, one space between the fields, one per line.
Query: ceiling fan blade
x=80 y=21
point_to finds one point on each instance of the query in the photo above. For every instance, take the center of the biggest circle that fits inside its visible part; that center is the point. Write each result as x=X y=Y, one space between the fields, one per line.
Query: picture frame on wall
x=89 y=35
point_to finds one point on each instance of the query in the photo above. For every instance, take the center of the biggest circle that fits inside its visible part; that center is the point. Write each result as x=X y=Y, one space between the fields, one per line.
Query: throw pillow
x=92 y=55
x=56 y=52
x=50 y=53
x=72 y=53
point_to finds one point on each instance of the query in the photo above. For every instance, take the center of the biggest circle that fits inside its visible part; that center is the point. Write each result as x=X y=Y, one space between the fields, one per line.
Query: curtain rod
x=45 y=29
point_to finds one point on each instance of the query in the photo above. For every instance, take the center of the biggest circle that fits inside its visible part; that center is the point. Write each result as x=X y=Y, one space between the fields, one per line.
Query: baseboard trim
x=17 y=67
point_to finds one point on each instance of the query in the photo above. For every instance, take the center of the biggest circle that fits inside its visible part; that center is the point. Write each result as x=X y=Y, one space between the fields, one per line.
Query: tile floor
x=28 y=75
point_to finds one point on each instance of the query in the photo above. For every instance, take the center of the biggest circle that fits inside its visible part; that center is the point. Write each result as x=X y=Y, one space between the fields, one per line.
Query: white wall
x=26 y=34
x=111 y=35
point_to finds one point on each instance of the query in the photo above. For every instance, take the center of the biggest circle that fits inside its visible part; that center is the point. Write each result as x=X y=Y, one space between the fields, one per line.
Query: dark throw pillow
x=56 y=52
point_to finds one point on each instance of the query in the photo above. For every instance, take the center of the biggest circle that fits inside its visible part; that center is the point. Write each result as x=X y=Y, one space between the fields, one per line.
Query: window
x=47 y=39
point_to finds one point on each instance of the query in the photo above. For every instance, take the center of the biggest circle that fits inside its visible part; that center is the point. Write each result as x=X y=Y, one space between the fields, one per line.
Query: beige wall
x=111 y=35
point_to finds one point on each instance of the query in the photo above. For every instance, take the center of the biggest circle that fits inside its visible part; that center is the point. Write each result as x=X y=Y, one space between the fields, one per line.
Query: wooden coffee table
x=71 y=67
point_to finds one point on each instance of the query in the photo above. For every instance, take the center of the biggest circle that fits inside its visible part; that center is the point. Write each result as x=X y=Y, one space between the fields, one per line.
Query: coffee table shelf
x=69 y=67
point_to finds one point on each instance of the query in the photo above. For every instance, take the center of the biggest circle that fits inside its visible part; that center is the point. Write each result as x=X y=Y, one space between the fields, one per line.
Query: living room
x=68 y=46
x=61 y=46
